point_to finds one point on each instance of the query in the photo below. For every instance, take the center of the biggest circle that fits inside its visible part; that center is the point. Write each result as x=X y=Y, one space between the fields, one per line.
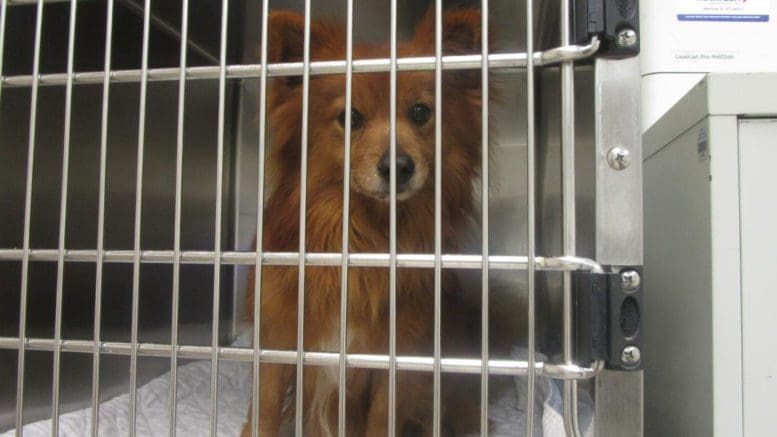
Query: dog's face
x=370 y=131
x=370 y=113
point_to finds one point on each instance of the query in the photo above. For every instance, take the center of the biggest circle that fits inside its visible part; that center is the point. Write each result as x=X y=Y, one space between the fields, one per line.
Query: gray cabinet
x=710 y=189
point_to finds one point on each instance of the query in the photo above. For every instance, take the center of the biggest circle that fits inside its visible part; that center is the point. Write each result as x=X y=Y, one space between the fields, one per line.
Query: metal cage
x=132 y=168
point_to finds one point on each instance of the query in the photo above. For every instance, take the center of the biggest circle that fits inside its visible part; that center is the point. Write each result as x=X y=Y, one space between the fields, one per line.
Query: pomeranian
x=368 y=295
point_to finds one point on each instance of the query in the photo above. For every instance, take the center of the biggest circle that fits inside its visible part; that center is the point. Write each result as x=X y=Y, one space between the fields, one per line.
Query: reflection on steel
x=366 y=361
x=502 y=61
x=449 y=261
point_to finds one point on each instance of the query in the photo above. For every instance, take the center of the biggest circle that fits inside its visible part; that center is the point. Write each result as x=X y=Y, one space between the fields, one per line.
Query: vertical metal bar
x=436 y=407
x=27 y=217
x=259 y=223
x=3 y=7
x=55 y=385
x=302 y=224
x=214 y=360
x=98 y=286
x=138 y=210
x=484 y=219
x=342 y=392
x=568 y=214
x=177 y=219
x=530 y=217
x=567 y=150
x=392 y=387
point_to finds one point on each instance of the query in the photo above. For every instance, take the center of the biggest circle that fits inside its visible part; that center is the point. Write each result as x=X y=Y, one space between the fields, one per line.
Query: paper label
x=752 y=11
x=701 y=144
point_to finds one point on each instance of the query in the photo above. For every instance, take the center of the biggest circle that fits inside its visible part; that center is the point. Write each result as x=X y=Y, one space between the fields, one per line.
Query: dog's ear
x=461 y=35
x=461 y=31
x=286 y=37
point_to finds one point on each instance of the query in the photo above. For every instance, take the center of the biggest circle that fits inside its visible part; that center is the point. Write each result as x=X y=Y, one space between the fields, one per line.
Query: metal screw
x=626 y=38
x=619 y=157
x=630 y=356
x=630 y=280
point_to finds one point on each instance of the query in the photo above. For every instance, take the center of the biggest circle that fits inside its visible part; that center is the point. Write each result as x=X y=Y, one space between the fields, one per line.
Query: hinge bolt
x=626 y=38
x=619 y=157
x=630 y=280
x=630 y=356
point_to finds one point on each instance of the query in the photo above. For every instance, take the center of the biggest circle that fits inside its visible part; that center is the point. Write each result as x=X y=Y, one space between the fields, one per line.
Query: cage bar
x=3 y=14
x=437 y=377
x=421 y=260
x=138 y=210
x=177 y=219
x=485 y=234
x=257 y=255
x=342 y=377
x=98 y=286
x=392 y=373
x=55 y=404
x=214 y=361
x=496 y=61
x=298 y=414
x=530 y=218
x=361 y=361
x=569 y=216
x=27 y=215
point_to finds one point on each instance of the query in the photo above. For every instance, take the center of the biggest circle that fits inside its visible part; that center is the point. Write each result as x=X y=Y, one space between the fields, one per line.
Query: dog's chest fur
x=368 y=287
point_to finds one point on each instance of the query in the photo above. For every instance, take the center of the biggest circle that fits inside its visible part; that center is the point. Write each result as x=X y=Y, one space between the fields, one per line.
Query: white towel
x=507 y=413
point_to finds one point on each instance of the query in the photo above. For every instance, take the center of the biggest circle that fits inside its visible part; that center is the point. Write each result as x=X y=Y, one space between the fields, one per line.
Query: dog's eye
x=357 y=120
x=420 y=114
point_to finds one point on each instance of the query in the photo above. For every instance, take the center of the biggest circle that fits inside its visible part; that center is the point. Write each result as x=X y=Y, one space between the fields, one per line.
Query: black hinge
x=615 y=22
x=608 y=318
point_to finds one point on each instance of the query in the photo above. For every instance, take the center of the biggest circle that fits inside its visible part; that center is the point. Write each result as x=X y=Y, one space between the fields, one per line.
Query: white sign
x=742 y=11
x=683 y=39
x=708 y=35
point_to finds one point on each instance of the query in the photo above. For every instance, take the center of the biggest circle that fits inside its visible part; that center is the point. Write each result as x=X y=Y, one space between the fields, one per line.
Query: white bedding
x=506 y=413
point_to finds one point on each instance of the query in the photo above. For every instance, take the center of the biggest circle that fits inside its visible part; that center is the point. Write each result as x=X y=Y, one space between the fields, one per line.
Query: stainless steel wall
x=198 y=207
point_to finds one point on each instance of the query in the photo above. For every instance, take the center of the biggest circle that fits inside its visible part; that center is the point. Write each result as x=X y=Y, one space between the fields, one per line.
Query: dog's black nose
x=405 y=168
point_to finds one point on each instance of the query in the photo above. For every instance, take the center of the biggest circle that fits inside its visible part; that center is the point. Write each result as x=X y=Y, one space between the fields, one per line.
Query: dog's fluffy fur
x=368 y=298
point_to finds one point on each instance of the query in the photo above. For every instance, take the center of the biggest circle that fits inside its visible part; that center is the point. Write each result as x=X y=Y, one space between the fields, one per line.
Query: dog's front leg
x=412 y=416
x=273 y=382
x=377 y=416
x=278 y=332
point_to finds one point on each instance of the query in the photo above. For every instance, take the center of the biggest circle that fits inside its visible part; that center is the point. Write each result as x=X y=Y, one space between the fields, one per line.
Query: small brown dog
x=368 y=304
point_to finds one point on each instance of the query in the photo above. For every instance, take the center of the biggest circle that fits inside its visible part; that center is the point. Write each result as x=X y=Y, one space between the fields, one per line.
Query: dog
x=368 y=295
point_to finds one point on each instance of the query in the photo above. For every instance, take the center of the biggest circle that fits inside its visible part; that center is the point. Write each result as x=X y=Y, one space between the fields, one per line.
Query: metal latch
x=608 y=317
x=615 y=22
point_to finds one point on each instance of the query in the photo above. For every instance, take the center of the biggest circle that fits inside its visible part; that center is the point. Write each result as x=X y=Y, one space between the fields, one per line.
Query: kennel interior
x=77 y=271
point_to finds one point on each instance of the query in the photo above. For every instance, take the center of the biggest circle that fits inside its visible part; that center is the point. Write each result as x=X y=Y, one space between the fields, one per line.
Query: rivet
x=630 y=280
x=619 y=157
x=631 y=356
x=626 y=38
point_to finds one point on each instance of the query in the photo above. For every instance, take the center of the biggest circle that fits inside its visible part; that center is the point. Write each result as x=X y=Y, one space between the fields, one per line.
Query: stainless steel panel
x=618 y=192
x=618 y=223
